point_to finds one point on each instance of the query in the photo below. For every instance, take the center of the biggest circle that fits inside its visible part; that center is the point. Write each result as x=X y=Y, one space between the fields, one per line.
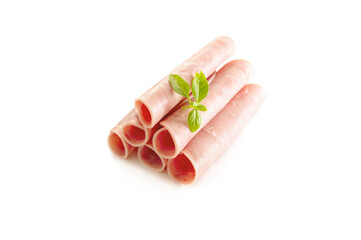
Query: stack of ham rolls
x=157 y=127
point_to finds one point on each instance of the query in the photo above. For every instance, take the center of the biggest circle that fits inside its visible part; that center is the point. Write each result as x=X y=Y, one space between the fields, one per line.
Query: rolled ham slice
x=131 y=130
x=117 y=143
x=153 y=105
x=150 y=158
x=134 y=132
x=175 y=134
x=217 y=136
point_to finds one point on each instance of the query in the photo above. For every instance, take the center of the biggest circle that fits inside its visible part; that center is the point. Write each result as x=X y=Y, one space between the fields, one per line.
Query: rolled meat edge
x=117 y=144
x=154 y=104
x=151 y=158
x=175 y=134
x=217 y=136
x=134 y=132
x=131 y=130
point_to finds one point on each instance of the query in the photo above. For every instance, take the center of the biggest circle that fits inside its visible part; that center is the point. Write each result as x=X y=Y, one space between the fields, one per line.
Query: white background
x=69 y=70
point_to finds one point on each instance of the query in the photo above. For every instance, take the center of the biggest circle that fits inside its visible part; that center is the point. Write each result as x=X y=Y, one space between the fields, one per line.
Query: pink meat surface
x=151 y=158
x=175 y=134
x=217 y=136
x=153 y=105
x=130 y=133
x=117 y=144
x=133 y=132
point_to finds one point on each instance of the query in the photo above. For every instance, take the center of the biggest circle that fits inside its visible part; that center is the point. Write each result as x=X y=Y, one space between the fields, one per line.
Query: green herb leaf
x=194 y=120
x=179 y=85
x=189 y=106
x=200 y=87
x=201 y=107
x=194 y=104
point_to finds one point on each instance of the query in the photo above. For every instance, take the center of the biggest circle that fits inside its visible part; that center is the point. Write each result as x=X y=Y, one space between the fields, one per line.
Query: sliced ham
x=130 y=132
x=175 y=134
x=117 y=143
x=217 y=136
x=153 y=105
x=150 y=158
x=134 y=132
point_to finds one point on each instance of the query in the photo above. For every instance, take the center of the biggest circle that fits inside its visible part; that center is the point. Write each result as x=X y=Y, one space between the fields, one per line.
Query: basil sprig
x=199 y=90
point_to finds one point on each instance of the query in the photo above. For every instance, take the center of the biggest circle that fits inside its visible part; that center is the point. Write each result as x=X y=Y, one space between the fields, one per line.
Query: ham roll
x=117 y=144
x=150 y=157
x=153 y=105
x=175 y=134
x=133 y=131
x=217 y=136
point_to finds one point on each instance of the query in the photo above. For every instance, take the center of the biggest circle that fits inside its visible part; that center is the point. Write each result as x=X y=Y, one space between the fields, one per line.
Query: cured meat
x=149 y=156
x=133 y=131
x=217 y=136
x=175 y=134
x=130 y=133
x=117 y=144
x=153 y=105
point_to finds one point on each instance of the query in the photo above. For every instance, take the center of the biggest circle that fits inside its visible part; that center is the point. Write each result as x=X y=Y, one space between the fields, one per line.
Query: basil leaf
x=179 y=85
x=185 y=107
x=194 y=104
x=194 y=120
x=201 y=107
x=199 y=89
x=200 y=86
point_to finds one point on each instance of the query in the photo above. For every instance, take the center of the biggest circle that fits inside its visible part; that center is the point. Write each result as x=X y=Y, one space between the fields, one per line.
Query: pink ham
x=133 y=131
x=130 y=133
x=153 y=105
x=217 y=136
x=117 y=144
x=149 y=157
x=175 y=134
